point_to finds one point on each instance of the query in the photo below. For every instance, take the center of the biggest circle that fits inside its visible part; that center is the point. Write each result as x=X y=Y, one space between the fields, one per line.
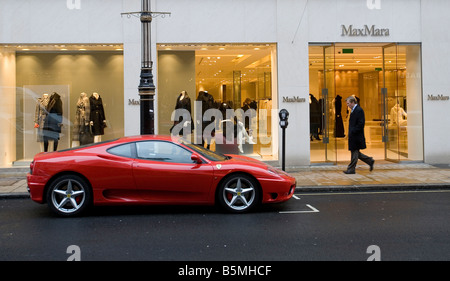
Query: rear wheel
x=69 y=195
x=239 y=193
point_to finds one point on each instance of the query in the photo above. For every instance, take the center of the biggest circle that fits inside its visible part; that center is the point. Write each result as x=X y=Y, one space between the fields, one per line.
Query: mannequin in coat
x=183 y=102
x=81 y=119
x=97 y=116
x=53 y=121
x=39 y=118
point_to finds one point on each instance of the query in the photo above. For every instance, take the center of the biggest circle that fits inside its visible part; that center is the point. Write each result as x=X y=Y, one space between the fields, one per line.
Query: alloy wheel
x=239 y=194
x=68 y=195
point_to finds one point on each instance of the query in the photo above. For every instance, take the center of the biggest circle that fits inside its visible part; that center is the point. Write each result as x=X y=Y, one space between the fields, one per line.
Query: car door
x=164 y=172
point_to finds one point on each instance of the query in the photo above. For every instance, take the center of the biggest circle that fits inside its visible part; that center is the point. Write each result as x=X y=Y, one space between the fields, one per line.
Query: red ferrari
x=152 y=170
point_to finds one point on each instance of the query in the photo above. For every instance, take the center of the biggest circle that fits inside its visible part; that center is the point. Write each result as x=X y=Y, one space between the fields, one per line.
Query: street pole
x=146 y=86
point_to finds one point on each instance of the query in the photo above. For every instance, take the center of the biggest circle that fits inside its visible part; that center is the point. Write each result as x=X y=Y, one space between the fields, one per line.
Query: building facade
x=252 y=57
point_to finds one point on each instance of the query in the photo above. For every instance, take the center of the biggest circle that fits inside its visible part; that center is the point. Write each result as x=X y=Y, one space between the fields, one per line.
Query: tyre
x=239 y=193
x=69 y=195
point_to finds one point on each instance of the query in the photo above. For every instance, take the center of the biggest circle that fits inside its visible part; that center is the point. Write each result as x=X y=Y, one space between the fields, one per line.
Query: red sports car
x=152 y=170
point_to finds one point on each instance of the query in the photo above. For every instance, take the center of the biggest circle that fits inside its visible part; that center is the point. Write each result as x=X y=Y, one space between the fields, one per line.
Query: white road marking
x=296 y=197
x=313 y=210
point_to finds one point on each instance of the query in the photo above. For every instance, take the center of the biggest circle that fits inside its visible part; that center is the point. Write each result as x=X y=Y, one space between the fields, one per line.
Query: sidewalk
x=385 y=176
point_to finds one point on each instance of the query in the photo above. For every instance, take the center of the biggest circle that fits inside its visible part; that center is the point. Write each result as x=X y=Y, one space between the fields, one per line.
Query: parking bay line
x=312 y=210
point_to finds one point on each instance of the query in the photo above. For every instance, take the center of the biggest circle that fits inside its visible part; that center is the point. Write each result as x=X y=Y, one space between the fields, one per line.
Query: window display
x=49 y=98
x=225 y=77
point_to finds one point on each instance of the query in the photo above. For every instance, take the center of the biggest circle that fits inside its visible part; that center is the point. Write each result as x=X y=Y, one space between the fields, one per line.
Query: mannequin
x=53 y=121
x=398 y=115
x=339 y=124
x=183 y=102
x=97 y=117
x=81 y=120
x=39 y=118
x=314 y=117
x=207 y=103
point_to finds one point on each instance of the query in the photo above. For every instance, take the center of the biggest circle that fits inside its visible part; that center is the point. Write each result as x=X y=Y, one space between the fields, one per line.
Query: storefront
x=252 y=57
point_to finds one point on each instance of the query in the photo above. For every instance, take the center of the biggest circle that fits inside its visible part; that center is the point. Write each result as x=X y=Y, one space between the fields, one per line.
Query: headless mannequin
x=83 y=118
x=97 y=138
x=38 y=127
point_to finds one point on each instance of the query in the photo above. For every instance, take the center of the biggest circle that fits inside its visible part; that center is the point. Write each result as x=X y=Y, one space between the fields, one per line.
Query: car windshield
x=208 y=154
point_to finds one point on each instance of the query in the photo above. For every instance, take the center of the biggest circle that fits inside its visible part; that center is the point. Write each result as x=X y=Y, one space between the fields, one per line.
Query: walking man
x=356 y=139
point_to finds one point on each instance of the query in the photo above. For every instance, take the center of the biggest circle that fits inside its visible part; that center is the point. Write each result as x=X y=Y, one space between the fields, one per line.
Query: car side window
x=163 y=151
x=124 y=150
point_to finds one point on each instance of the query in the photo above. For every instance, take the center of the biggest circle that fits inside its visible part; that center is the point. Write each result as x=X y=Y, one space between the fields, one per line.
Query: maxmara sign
x=438 y=97
x=365 y=31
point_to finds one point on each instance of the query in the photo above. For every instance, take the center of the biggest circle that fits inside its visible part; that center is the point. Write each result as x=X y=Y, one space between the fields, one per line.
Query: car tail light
x=31 y=167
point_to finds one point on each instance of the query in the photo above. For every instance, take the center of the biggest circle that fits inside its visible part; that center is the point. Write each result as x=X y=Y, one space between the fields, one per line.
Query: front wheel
x=239 y=193
x=68 y=195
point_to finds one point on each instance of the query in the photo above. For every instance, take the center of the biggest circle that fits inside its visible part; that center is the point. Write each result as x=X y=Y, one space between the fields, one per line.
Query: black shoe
x=349 y=172
x=371 y=165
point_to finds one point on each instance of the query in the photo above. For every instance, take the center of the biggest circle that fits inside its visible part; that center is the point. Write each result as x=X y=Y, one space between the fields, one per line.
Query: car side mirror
x=196 y=158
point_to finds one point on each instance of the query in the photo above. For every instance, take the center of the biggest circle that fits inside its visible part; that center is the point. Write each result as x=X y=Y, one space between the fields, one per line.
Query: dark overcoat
x=356 y=139
x=97 y=116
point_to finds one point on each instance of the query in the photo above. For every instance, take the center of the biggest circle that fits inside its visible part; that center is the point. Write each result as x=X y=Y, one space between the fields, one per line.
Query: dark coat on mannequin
x=339 y=124
x=53 y=121
x=97 y=116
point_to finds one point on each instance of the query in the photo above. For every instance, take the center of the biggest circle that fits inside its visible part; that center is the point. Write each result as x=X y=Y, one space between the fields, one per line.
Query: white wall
x=435 y=74
x=55 y=21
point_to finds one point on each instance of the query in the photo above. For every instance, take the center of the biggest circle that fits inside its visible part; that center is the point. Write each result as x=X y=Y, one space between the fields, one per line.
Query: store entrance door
x=389 y=99
x=386 y=80
x=323 y=141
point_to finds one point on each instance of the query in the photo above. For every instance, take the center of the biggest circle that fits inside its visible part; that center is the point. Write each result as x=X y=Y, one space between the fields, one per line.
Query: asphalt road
x=317 y=226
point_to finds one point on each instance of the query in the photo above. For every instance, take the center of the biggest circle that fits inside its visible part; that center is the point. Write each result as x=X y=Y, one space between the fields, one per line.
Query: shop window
x=219 y=96
x=60 y=96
